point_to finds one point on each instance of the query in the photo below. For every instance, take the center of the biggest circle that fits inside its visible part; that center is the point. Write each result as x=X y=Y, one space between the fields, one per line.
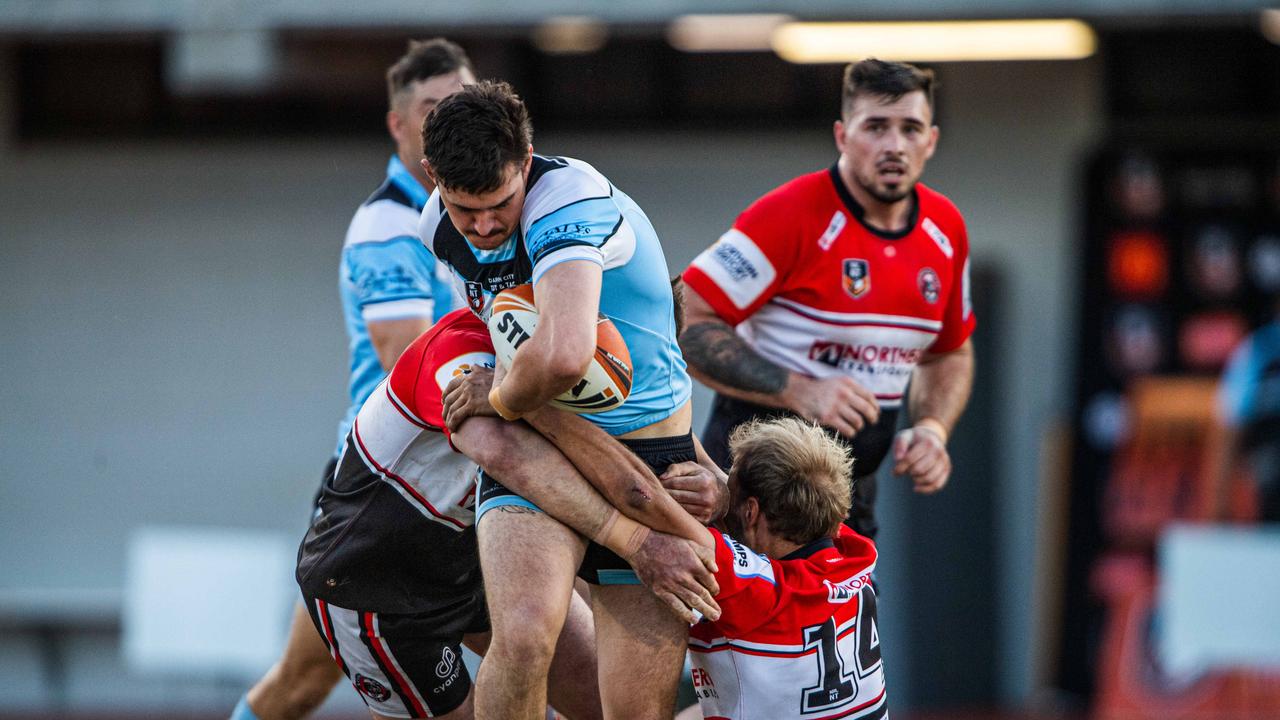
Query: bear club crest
x=856 y=277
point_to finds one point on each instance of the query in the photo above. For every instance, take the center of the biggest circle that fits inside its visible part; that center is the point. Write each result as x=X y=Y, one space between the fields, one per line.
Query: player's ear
x=395 y=125
x=426 y=168
x=933 y=141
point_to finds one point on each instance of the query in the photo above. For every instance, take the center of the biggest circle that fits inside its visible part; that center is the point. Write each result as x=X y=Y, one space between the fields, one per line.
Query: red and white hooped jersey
x=797 y=637
x=812 y=288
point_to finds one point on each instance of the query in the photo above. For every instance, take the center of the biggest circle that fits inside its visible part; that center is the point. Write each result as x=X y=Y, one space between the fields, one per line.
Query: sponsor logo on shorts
x=447 y=669
x=857 y=277
x=930 y=285
x=371 y=688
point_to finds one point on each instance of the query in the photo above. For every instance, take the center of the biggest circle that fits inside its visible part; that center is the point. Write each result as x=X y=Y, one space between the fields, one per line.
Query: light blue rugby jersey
x=386 y=273
x=1250 y=388
x=572 y=212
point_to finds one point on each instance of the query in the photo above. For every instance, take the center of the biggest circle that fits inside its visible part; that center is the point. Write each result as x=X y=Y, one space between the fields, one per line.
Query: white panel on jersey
x=968 y=298
x=834 y=228
x=430 y=221
x=462 y=365
x=738 y=267
x=747 y=563
x=381 y=220
x=939 y=237
x=397 y=309
x=878 y=351
x=616 y=252
x=417 y=462
x=560 y=187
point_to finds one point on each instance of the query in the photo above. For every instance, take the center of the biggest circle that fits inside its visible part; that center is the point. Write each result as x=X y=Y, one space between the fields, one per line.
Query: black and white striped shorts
x=403 y=666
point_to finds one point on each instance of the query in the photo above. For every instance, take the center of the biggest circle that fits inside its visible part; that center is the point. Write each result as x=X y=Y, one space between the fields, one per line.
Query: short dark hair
x=474 y=134
x=885 y=79
x=423 y=60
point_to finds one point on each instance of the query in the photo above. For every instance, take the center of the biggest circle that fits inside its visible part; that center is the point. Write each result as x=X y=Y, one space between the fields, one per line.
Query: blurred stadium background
x=176 y=177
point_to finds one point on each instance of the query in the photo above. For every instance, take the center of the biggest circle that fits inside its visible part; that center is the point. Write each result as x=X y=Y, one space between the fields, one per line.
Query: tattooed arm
x=723 y=361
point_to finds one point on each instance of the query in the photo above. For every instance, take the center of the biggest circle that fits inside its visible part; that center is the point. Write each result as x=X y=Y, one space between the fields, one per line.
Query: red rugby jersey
x=797 y=637
x=812 y=288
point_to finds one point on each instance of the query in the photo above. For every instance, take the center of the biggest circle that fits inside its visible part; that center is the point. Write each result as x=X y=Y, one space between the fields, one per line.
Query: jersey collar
x=859 y=212
x=816 y=546
x=399 y=174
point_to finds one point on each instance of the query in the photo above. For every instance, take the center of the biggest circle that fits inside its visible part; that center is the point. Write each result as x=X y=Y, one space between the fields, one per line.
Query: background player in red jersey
x=797 y=637
x=833 y=291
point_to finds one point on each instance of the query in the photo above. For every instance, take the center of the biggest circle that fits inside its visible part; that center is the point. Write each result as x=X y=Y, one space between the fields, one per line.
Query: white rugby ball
x=608 y=380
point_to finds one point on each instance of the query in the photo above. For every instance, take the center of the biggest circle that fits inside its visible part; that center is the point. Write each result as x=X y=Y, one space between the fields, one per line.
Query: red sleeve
x=958 y=320
x=749 y=588
x=750 y=263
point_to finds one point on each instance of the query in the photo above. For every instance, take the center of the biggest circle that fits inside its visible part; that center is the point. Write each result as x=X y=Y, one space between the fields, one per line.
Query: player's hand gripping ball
x=608 y=380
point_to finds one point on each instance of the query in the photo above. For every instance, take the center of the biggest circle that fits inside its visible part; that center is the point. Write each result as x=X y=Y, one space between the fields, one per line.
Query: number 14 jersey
x=797 y=637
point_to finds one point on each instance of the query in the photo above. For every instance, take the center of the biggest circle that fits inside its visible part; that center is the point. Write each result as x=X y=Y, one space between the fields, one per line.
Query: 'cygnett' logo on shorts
x=448 y=664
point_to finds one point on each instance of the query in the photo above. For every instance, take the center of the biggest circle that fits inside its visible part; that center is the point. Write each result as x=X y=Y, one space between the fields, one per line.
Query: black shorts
x=329 y=468
x=403 y=666
x=600 y=566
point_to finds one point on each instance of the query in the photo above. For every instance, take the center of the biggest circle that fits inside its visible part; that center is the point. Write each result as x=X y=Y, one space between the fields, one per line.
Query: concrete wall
x=173 y=352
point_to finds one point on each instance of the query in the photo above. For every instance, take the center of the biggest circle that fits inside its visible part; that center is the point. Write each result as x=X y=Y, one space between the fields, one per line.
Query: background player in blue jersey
x=502 y=216
x=1248 y=419
x=392 y=290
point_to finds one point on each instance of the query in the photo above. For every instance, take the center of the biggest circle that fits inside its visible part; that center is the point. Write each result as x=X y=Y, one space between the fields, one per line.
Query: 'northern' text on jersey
x=572 y=212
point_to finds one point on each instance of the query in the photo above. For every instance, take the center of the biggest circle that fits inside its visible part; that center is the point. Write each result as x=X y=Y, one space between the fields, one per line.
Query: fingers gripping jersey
x=572 y=212
x=813 y=289
x=386 y=274
x=797 y=637
x=395 y=522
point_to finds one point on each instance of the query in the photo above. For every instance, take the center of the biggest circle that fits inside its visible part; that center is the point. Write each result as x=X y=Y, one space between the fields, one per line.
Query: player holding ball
x=502 y=216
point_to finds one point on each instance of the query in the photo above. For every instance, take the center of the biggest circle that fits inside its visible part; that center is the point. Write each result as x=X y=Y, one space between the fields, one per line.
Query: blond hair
x=799 y=473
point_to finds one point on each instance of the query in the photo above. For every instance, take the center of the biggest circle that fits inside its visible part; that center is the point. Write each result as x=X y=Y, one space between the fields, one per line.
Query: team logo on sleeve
x=930 y=286
x=371 y=688
x=857 y=277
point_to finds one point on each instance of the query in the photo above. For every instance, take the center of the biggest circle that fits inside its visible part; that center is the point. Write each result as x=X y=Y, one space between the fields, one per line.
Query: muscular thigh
x=528 y=560
x=632 y=623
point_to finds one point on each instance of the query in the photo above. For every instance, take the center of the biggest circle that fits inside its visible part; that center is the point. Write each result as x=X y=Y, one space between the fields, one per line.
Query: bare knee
x=294 y=690
x=529 y=641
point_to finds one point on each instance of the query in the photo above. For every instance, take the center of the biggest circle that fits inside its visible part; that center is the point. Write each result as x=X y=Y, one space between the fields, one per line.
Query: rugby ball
x=608 y=380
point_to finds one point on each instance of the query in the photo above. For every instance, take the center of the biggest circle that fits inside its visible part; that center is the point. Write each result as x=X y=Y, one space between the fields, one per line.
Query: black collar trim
x=810 y=549
x=859 y=212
